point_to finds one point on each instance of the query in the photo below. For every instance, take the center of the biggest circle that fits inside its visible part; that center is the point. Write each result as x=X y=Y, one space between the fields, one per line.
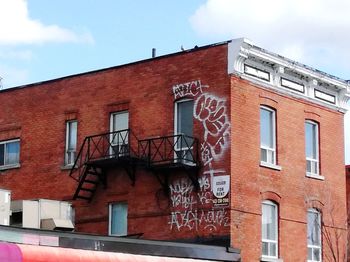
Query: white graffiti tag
x=211 y=112
x=198 y=210
x=193 y=219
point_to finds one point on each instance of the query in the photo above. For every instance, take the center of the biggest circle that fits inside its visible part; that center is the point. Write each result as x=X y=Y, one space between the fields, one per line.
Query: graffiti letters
x=205 y=208
x=193 y=219
x=188 y=89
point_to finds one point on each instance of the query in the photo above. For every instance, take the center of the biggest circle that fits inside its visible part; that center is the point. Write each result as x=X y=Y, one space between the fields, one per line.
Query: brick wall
x=289 y=188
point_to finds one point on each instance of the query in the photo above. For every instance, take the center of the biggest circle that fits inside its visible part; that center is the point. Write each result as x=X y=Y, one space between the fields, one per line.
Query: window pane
x=309 y=253
x=313 y=228
x=317 y=254
x=269 y=222
x=311 y=140
x=263 y=155
x=72 y=136
x=265 y=250
x=273 y=250
x=12 y=153
x=120 y=121
x=266 y=128
x=119 y=218
x=185 y=118
x=2 y=154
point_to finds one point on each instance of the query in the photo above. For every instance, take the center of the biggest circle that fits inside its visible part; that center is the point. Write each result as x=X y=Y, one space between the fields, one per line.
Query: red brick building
x=227 y=144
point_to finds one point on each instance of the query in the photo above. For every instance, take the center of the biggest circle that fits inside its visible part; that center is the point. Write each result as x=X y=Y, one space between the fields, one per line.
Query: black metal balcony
x=170 y=153
x=98 y=154
x=160 y=155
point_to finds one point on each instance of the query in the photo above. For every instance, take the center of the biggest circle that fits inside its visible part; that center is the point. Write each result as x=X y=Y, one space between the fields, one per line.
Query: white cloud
x=16 y=27
x=313 y=31
x=16 y=54
x=12 y=76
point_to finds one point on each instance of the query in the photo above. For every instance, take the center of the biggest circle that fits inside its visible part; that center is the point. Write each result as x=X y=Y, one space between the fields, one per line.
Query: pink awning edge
x=32 y=253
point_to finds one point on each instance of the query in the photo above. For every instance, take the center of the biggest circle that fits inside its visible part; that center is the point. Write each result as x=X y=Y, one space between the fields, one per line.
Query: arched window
x=269 y=229
x=314 y=230
x=312 y=148
x=267 y=136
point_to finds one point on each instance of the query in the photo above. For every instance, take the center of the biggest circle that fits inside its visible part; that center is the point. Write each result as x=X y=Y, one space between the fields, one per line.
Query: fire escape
x=161 y=155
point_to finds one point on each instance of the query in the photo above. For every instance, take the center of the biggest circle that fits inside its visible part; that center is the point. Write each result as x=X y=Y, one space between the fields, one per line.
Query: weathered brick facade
x=226 y=123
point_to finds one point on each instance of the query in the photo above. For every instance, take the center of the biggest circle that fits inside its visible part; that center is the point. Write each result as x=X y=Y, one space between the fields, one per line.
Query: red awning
x=31 y=253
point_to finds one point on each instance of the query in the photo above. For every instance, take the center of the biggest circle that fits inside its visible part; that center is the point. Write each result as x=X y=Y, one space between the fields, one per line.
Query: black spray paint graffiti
x=185 y=201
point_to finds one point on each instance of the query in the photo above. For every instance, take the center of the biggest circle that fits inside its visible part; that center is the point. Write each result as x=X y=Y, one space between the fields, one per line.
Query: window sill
x=271 y=166
x=66 y=167
x=270 y=259
x=3 y=168
x=314 y=176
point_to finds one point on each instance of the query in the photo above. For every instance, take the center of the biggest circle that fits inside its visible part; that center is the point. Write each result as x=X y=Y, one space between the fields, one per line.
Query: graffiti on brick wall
x=210 y=110
x=204 y=208
x=188 y=206
x=194 y=219
x=192 y=89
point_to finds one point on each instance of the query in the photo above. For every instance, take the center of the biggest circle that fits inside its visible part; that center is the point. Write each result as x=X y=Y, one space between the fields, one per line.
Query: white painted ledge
x=271 y=166
x=269 y=259
x=3 y=168
x=314 y=176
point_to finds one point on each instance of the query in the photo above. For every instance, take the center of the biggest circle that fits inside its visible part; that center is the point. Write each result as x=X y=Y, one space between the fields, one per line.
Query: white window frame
x=110 y=218
x=263 y=240
x=317 y=159
x=312 y=210
x=176 y=131
x=111 y=129
x=8 y=166
x=67 y=160
x=271 y=161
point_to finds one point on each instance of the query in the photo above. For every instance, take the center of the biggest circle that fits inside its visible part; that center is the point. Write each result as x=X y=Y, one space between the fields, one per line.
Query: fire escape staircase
x=160 y=155
x=99 y=154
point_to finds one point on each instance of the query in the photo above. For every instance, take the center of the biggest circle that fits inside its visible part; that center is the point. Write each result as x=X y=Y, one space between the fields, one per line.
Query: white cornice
x=242 y=51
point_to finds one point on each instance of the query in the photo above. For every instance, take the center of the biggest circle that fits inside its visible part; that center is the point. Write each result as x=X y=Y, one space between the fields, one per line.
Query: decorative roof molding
x=287 y=76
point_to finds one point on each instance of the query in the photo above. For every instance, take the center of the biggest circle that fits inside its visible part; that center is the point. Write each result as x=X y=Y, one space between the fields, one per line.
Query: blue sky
x=42 y=39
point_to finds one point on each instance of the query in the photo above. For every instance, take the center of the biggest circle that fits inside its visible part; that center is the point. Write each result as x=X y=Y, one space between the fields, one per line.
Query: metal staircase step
x=95 y=182
x=83 y=197
x=88 y=189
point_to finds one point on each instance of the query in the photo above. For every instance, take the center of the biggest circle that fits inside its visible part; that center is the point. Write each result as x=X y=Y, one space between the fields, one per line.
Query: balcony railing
x=99 y=153
x=103 y=148
x=172 y=150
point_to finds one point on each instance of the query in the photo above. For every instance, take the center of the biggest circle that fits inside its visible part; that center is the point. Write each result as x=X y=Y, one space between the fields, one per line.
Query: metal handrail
x=169 y=149
x=103 y=146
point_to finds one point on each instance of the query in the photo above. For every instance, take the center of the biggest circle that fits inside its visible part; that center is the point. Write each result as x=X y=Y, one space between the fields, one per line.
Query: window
x=311 y=148
x=9 y=154
x=269 y=230
x=313 y=236
x=71 y=142
x=118 y=219
x=119 y=125
x=267 y=136
x=184 y=126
